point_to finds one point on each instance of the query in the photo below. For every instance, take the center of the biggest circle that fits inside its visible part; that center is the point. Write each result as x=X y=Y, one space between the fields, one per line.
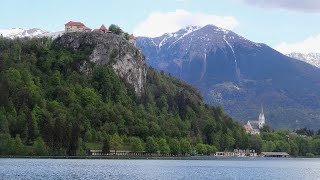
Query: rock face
x=127 y=61
x=239 y=75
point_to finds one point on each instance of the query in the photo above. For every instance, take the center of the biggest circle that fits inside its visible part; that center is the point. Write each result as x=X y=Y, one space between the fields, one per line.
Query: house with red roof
x=73 y=26
x=132 y=39
x=102 y=29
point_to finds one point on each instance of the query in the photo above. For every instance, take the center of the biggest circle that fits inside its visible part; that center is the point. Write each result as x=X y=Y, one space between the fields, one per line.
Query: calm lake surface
x=257 y=168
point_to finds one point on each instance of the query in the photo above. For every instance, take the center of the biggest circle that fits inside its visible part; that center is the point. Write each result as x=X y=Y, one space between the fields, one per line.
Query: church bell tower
x=262 y=120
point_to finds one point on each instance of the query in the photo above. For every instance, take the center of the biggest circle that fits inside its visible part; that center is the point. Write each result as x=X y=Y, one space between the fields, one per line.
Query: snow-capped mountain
x=311 y=58
x=194 y=34
x=239 y=74
x=33 y=32
x=172 y=38
x=191 y=43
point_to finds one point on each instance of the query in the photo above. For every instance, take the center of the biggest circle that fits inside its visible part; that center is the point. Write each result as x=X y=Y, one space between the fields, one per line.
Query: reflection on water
x=160 y=169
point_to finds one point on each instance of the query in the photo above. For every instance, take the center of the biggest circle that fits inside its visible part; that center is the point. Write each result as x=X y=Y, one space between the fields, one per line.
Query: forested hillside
x=50 y=106
x=46 y=100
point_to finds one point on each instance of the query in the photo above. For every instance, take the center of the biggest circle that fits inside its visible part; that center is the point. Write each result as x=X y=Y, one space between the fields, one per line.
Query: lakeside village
x=252 y=127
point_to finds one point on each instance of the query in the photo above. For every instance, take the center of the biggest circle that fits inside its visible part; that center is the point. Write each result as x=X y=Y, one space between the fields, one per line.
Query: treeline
x=296 y=143
x=117 y=30
x=164 y=146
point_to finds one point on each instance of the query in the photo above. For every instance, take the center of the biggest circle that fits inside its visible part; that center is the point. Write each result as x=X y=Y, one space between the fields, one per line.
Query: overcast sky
x=287 y=25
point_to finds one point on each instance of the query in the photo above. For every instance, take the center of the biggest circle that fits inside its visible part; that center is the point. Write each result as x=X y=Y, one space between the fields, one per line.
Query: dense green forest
x=48 y=106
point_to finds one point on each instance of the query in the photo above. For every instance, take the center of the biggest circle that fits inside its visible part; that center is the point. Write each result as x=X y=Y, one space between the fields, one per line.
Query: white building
x=253 y=127
x=238 y=153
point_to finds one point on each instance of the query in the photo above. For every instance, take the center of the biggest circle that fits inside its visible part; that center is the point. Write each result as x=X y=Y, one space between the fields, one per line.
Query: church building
x=253 y=127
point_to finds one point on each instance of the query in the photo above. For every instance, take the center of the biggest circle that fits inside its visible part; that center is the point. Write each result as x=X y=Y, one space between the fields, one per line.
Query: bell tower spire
x=261 y=118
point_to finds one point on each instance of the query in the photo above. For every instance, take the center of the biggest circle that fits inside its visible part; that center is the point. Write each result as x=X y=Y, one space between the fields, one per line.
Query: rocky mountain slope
x=125 y=58
x=128 y=61
x=239 y=74
x=311 y=58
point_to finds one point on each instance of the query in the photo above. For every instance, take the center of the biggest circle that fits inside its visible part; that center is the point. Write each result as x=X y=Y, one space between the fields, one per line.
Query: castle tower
x=262 y=120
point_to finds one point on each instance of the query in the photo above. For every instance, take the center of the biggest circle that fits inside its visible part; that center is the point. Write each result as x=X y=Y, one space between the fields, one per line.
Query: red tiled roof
x=87 y=28
x=132 y=37
x=247 y=128
x=103 y=28
x=71 y=23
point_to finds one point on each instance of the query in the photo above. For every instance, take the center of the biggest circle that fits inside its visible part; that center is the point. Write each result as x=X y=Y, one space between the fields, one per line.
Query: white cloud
x=309 y=45
x=159 y=23
x=297 y=5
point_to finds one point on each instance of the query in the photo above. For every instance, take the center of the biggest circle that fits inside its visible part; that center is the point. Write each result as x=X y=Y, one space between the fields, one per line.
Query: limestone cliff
x=127 y=61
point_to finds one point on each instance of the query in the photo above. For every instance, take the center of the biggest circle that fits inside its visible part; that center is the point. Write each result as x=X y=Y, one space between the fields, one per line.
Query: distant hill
x=239 y=74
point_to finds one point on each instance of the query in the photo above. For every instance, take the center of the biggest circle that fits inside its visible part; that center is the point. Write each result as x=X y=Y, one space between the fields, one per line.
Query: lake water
x=257 y=168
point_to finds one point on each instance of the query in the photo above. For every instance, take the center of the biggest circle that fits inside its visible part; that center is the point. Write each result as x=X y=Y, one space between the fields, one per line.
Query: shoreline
x=123 y=157
x=148 y=157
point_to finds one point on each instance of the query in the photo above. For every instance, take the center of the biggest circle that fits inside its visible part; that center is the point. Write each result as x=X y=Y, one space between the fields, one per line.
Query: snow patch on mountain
x=237 y=70
x=188 y=30
x=204 y=68
x=310 y=58
x=10 y=32
x=167 y=36
x=223 y=30
x=33 y=32
x=169 y=39
x=234 y=55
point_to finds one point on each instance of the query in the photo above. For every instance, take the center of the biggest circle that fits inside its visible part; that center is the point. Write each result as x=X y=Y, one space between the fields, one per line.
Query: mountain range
x=232 y=71
x=240 y=75
x=311 y=58
x=33 y=32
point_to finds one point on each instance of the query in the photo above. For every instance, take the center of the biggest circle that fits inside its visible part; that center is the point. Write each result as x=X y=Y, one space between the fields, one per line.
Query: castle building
x=72 y=26
x=102 y=29
x=253 y=127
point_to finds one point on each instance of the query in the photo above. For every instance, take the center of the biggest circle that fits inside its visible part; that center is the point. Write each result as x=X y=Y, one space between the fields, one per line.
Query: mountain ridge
x=234 y=72
x=310 y=58
x=30 y=32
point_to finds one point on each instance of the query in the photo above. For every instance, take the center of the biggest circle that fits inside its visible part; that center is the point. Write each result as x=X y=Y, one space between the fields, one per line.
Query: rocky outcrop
x=127 y=61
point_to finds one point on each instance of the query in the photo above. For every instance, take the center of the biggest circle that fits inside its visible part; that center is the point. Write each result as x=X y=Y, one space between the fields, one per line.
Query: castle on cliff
x=73 y=26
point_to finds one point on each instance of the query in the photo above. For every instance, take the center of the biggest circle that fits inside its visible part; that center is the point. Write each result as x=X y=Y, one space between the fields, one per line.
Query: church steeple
x=261 y=118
